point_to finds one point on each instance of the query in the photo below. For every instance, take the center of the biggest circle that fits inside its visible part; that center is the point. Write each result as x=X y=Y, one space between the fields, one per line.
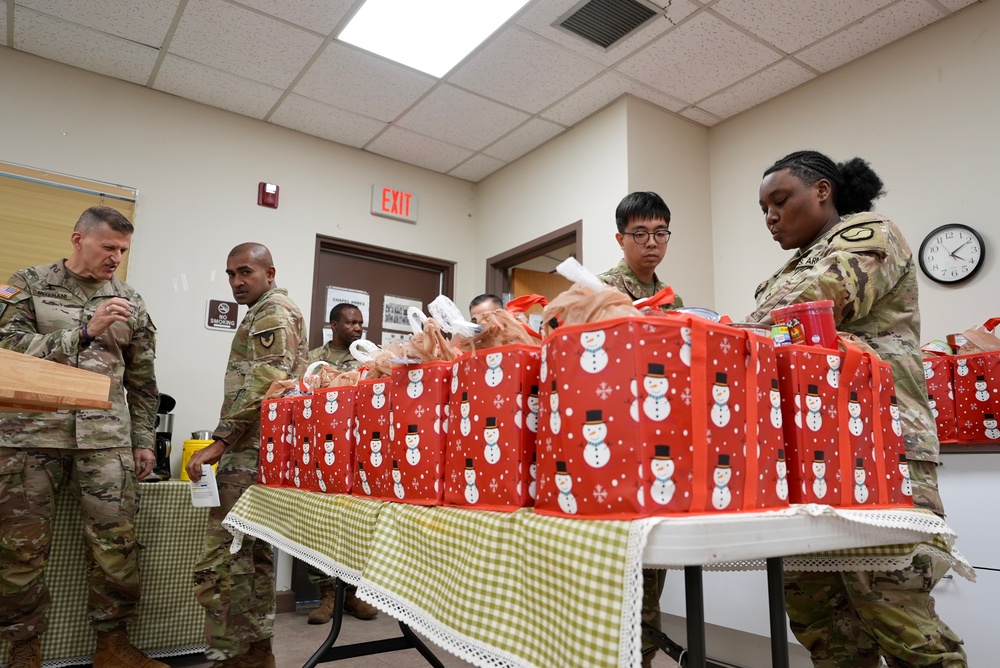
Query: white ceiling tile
x=540 y=16
x=414 y=149
x=479 y=123
x=955 y=5
x=772 y=82
x=356 y=80
x=600 y=92
x=700 y=116
x=237 y=40
x=143 y=21
x=321 y=16
x=792 y=24
x=194 y=81
x=886 y=26
x=526 y=138
x=698 y=58
x=523 y=70
x=82 y=47
x=477 y=168
x=322 y=120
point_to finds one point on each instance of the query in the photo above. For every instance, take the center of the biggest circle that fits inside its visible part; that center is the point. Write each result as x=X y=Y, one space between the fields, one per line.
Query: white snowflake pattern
x=603 y=390
x=969 y=424
x=600 y=494
x=454 y=477
x=548 y=444
x=686 y=396
x=831 y=411
x=382 y=420
x=760 y=395
x=420 y=410
x=725 y=346
x=498 y=400
x=493 y=485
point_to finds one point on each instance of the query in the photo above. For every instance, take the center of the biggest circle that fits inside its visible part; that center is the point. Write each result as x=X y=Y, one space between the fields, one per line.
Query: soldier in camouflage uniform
x=76 y=312
x=346 y=322
x=861 y=262
x=237 y=590
x=644 y=218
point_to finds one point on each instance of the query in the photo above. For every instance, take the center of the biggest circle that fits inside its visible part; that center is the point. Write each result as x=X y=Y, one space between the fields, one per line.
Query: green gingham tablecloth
x=496 y=589
x=170 y=621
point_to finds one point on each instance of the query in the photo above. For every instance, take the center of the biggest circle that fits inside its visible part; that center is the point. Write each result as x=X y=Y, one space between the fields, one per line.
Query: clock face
x=951 y=253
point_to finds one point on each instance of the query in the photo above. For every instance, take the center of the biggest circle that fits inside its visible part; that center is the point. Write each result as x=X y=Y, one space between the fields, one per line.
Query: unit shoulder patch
x=855 y=234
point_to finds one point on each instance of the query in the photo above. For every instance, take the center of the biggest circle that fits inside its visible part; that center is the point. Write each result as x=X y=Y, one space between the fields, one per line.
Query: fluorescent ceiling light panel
x=428 y=35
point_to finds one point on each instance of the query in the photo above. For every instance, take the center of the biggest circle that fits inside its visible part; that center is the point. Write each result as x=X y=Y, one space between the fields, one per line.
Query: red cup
x=809 y=323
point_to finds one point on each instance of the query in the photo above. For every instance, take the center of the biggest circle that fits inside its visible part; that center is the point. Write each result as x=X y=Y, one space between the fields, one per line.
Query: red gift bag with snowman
x=764 y=427
x=491 y=433
x=373 y=432
x=420 y=422
x=938 y=373
x=977 y=397
x=277 y=440
x=333 y=441
x=892 y=473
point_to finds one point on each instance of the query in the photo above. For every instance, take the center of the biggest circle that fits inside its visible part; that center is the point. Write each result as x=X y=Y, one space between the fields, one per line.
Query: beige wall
x=924 y=112
x=196 y=170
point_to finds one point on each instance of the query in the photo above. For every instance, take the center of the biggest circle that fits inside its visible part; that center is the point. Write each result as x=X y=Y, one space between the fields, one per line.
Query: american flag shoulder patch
x=8 y=291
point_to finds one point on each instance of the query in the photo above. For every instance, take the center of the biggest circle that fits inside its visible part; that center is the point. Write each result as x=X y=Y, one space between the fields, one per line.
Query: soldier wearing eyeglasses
x=643 y=232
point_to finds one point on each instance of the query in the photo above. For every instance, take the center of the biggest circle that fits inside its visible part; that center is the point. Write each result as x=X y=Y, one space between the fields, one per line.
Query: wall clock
x=952 y=253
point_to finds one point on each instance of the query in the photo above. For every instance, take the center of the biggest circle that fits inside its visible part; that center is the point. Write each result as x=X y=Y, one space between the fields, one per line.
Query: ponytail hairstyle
x=855 y=184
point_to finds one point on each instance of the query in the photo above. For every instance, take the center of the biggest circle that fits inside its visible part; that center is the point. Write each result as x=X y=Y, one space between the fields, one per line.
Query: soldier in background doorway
x=484 y=303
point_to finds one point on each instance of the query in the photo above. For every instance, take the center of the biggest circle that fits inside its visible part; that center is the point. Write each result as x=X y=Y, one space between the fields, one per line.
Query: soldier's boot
x=25 y=654
x=260 y=655
x=115 y=651
x=327 y=601
x=357 y=607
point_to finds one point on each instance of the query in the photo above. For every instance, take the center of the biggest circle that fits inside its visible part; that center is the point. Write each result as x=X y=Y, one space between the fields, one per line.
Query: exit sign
x=391 y=203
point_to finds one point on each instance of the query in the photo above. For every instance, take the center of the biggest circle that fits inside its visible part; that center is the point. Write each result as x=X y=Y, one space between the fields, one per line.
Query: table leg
x=776 y=610
x=335 y=623
x=695 y=605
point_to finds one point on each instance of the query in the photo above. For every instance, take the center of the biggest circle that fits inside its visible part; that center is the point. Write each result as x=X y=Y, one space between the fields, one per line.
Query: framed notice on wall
x=394 y=312
x=336 y=295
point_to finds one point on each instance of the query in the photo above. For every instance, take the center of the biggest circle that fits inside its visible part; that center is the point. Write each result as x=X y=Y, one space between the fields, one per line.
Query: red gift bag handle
x=522 y=304
x=992 y=323
x=664 y=297
x=877 y=434
x=752 y=421
x=699 y=413
x=853 y=357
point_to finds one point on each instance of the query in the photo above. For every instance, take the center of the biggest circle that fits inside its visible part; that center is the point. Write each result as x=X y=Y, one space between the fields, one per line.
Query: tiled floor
x=295 y=641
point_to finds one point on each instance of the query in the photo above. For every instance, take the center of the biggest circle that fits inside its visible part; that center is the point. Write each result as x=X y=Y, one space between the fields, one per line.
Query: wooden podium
x=31 y=384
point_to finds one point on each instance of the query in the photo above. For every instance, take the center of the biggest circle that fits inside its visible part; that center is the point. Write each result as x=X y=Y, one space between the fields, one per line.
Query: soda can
x=780 y=335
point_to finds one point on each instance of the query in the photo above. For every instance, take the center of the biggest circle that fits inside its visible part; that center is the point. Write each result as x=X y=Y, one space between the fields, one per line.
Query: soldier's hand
x=208 y=455
x=144 y=462
x=115 y=309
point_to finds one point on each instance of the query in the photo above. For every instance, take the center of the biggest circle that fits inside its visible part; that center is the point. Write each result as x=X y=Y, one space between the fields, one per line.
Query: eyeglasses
x=642 y=236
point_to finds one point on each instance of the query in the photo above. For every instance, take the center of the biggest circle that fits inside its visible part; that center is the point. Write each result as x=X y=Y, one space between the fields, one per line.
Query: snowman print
x=412 y=445
x=471 y=491
x=594 y=357
x=814 y=419
x=454 y=378
x=897 y=428
x=328 y=456
x=990 y=422
x=833 y=375
x=819 y=472
x=721 y=495
x=491 y=451
x=982 y=394
x=904 y=469
x=860 y=488
x=720 y=397
x=320 y=481
x=555 y=421
x=663 y=488
x=270 y=450
x=465 y=425
x=494 y=374
x=543 y=369
x=928 y=370
x=532 y=420
x=655 y=406
x=364 y=479
x=854 y=423
x=781 y=468
x=305 y=449
x=272 y=411
x=533 y=474
x=376 y=449
x=686 y=346
x=296 y=480
x=416 y=385
x=331 y=403
x=307 y=410
x=775 y=398
x=397 y=480
x=932 y=402
x=962 y=367
x=564 y=483
x=596 y=452
x=378 y=395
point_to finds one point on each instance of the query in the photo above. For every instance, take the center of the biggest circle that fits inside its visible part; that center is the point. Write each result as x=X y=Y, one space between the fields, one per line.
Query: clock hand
x=952 y=253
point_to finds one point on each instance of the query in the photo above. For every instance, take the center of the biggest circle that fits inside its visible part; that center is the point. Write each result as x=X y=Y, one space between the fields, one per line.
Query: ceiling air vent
x=604 y=22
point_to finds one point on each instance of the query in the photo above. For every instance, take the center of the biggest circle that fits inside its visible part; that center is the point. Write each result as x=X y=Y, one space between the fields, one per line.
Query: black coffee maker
x=164 y=431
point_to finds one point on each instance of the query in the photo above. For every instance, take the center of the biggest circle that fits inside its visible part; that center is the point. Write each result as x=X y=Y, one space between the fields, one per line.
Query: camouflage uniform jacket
x=43 y=319
x=340 y=359
x=270 y=344
x=623 y=278
x=866 y=267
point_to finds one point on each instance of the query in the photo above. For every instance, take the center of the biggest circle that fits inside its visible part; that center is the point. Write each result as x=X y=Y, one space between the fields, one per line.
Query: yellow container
x=191 y=447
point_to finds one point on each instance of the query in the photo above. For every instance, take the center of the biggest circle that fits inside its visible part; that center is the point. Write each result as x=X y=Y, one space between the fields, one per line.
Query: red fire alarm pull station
x=267 y=195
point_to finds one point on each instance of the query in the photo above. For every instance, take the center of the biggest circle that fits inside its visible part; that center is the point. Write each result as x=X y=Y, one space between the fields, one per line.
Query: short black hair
x=339 y=309
x=640 y=206
x=95 y=215
x=486 y=296
x=855 y=184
